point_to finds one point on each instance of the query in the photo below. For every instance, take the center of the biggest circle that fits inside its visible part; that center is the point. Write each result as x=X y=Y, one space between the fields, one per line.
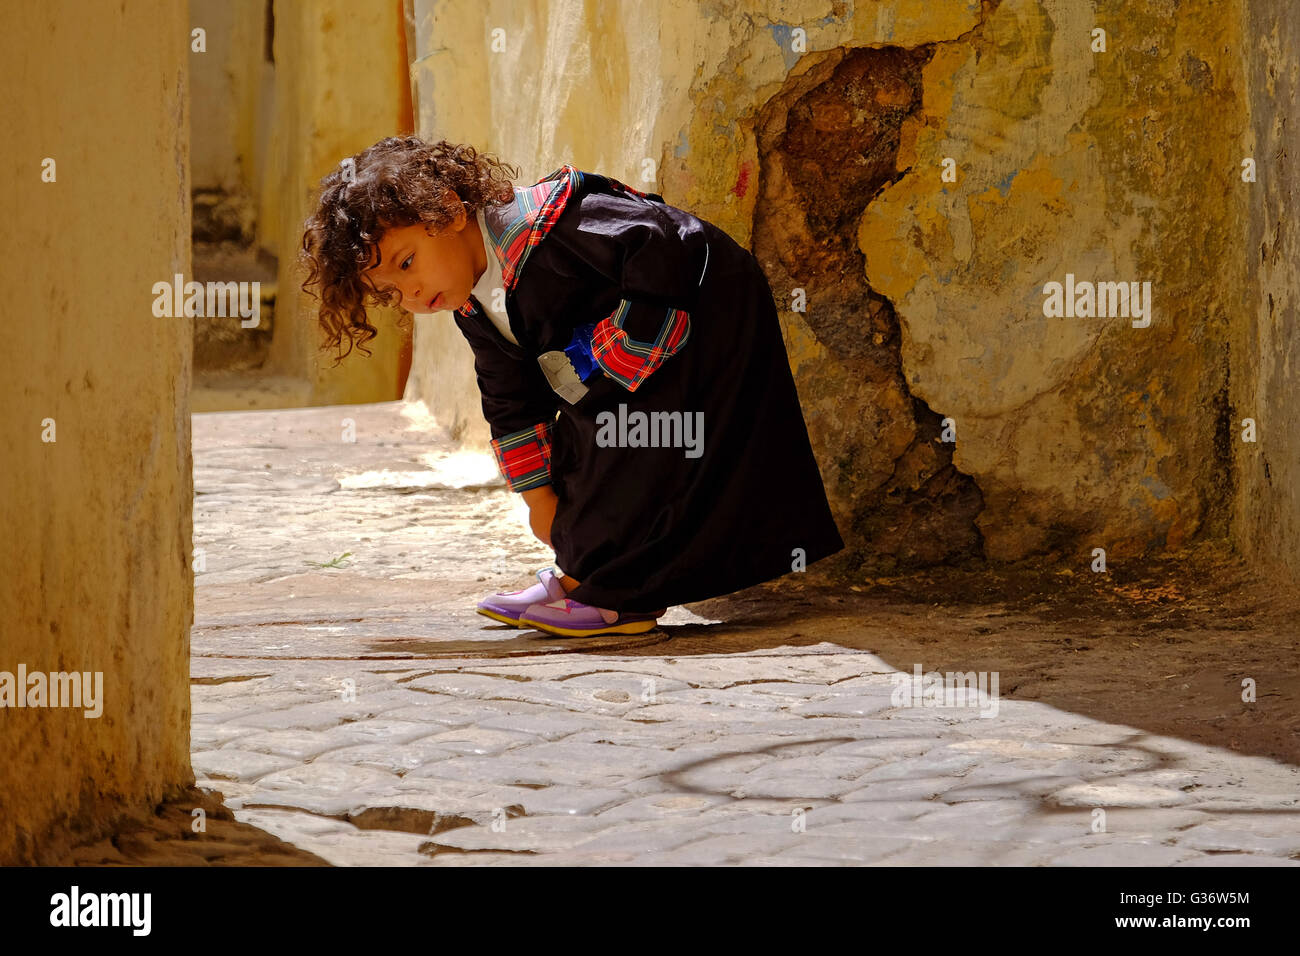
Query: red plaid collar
x=538 y=207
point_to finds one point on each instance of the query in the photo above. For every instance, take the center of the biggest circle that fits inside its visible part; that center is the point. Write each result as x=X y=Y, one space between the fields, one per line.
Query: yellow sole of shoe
x=499 y=617
x=632 y=627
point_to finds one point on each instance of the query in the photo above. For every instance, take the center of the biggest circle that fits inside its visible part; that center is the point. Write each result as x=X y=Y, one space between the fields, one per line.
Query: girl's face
x=434 y=273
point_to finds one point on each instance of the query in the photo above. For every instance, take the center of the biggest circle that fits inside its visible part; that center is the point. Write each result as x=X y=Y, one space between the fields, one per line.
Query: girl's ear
x=453 y=201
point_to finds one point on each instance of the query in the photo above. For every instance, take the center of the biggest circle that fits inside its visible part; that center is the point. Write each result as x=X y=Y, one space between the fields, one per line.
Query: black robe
x=642 y=527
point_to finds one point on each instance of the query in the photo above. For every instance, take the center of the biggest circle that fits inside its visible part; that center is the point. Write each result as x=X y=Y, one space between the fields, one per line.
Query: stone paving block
x=247 y=696
x=885 y=748
x=955 y=853
x=608 y=759
x=329 y=778
x=520 y=834
x=946 y=717
x=819 y=767
x=718 y=781
x=836 y=729
x=732 y=698
x=577 y=699
x=453 y=712
x=759 y=824
x=211 y=736
x=324 y=714
x=1092 y=734
x=448 y=793
x=637 y=686
x=512 y=769
x=1124 y=854
x=399 y=759
x=720 y=719
x=1141 y=822
x=933 y=763
x=548 y=724
x=217 y=710
x=1238 y=835
x=299 y=744
x=1028 y=777
x=628 y=734
x=377 y=730
x=662 y=806
x=479 y=740
x=461 y=685
x=794 y=689
x=1041 y=788
x=792 y=664
x=1117 y=793
x=728 y=849
x=233 y=764
x=868 y=684
x=558 y=800
x=793 y=787
x=847 y=847
x=906 y=788
x=978 y=818
x=865 y=812
x=1047 y=752
x=629 y=841
x=845 y=706
x=766 y=746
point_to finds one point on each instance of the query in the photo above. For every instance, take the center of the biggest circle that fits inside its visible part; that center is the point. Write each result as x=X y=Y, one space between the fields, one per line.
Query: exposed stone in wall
x=827 y=144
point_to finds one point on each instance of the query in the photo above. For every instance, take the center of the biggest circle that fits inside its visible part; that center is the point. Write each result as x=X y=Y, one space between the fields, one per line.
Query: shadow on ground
x=1164 y=646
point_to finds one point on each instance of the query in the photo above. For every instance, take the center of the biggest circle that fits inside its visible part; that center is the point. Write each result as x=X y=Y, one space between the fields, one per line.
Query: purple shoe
x=508 y=605
x=570 y=618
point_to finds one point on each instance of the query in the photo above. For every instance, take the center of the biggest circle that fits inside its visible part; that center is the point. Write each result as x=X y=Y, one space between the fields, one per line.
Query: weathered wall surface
x=817 y=132
x=267 y=125
x=1266 y=346
x=226 y=85
x=97 y=522
x=1080 y=432
x=340 y=86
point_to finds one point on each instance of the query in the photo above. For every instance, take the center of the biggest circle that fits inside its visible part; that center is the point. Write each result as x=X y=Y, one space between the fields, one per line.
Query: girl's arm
x=541 y=503
x=519 y=406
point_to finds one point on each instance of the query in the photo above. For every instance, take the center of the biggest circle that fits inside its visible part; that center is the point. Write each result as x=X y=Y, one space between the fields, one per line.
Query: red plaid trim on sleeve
x=524 y=457
x=629 y=361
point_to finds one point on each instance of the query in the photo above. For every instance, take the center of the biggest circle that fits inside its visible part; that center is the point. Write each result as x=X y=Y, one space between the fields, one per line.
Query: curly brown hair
x=399 y=181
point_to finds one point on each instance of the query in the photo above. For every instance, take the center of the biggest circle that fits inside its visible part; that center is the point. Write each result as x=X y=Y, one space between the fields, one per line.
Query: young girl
x=634 y=375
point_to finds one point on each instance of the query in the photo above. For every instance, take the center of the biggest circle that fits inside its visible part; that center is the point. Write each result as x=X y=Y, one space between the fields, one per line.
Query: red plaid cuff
x=630 y=361
x=524 y=457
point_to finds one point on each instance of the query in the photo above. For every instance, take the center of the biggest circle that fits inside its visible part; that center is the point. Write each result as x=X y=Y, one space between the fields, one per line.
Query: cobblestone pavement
x=362 y=712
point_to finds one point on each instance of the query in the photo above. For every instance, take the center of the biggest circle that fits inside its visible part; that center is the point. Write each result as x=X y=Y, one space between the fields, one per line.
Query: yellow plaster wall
x=97 y=522
x=338 y=89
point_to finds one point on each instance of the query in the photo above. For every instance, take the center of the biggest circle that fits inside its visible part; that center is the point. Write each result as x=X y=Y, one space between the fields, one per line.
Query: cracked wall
x=828 y=143
x=817 y=134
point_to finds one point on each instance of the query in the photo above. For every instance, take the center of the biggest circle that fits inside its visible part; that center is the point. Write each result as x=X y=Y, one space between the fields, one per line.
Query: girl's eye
x=408 y=260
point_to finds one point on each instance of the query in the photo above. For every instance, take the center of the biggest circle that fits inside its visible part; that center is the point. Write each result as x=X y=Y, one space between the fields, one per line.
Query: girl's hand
x=541 y=511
